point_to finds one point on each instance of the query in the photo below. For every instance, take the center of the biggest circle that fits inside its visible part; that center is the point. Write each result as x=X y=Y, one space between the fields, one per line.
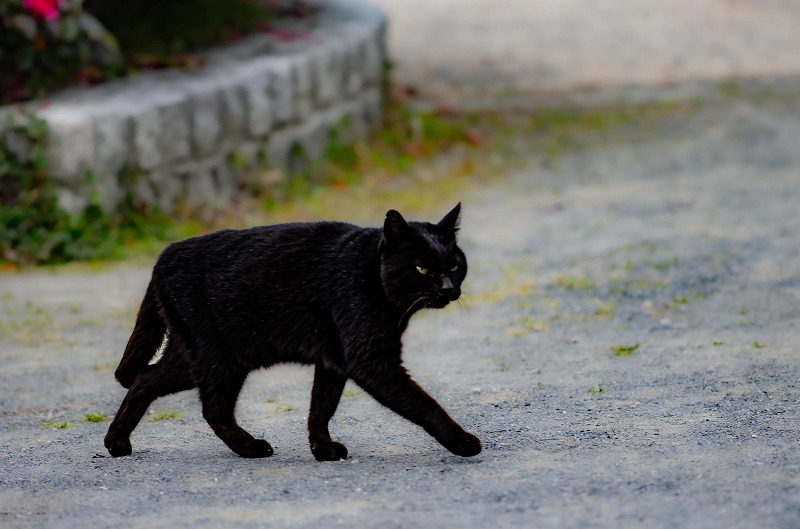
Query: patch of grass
x=60 y=425
x=730 y=89
x=604 y=311
x=31 y=324
x=717 y=342
x=284 y=408
x=527 y=324
x=575 y=283
x=663 y=266
x=348 y=393
x=165 y=415
x=759 y=345
x=596 y=390
x=624 y=350
x=515 y=282
x=676 y=303
x=645 y=245
x=94 y=417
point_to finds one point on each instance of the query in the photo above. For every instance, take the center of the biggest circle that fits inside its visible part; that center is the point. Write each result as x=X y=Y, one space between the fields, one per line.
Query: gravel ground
x=626 y=350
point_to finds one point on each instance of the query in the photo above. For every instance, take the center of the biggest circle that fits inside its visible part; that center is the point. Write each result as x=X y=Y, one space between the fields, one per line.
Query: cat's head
x=421 y=265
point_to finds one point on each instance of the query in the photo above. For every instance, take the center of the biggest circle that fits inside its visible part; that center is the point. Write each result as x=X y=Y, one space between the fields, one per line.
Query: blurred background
x=457 y=74
x=483 y=47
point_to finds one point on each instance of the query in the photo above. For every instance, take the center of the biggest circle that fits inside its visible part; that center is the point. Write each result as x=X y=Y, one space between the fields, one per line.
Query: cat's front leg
x=393 y=387
x=325 y=395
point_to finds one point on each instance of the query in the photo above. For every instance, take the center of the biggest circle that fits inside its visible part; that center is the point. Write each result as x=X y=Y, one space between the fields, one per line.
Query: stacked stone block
x=198 y=136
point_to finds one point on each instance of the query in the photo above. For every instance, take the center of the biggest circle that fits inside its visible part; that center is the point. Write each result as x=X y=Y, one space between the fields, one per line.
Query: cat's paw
x=330 y=451
x=255 y=448
x=118 y=447
x=464 y=444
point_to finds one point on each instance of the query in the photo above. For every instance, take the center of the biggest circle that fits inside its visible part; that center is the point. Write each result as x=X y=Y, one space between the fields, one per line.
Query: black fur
x=327 y=294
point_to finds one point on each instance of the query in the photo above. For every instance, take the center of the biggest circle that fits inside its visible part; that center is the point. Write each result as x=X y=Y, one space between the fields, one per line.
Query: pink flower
x=47 y=9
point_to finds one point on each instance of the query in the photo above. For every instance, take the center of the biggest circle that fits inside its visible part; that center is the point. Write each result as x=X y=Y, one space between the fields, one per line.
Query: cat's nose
x=446 y=287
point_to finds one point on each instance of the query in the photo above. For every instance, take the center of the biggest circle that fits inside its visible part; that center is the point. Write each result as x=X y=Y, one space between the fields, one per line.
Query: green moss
x=575 y=283
x=94 y=417
x=624 y=350
x=604 y=311
x=58 y=425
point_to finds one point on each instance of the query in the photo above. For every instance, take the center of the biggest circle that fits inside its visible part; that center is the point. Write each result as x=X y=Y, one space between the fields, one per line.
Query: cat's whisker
x=464 y=302
x=405 y=299
x=463 y=306
x=411 y=308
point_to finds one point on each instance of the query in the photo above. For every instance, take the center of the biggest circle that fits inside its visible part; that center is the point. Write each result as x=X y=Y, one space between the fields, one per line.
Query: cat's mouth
x=441 y=300
x=438 y=302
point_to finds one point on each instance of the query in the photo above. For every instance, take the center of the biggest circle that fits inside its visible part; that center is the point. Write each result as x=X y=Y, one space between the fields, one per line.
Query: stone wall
x=201 y=136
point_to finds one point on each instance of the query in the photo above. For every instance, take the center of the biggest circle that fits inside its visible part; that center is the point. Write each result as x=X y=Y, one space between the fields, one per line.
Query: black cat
x=329 y=294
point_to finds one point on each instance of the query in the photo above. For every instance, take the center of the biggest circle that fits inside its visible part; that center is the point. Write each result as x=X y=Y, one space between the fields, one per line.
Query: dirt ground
x=626 y=350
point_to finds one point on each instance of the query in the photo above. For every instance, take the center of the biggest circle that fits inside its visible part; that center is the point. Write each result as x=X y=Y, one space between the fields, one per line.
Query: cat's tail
x=145 y=340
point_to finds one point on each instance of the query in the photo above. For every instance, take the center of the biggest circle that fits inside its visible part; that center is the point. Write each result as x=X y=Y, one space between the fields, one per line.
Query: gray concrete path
x=502 y=49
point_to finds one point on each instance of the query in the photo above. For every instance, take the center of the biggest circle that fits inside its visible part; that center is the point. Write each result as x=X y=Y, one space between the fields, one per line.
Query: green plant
x=604 y=311
x=57 y=425
x=624 y=350
x=45 y=44
x=575 y=283
x=159 y=27
x=283 y=408
x=94 y=417
x=595 y=390
x=34 y=228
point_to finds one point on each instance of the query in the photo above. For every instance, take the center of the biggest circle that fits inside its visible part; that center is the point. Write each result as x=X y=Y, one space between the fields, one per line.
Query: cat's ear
x=449 y=224
x=395 y=227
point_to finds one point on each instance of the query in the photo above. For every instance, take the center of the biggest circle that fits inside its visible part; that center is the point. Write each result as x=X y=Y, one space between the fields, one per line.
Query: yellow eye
x=421 y=270
x=454 y=269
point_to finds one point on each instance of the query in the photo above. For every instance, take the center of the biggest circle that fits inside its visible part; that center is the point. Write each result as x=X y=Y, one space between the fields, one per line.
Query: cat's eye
x=422 y=270
x=454 y=269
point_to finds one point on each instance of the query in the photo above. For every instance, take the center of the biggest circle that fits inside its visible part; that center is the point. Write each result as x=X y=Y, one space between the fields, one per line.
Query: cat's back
x=286 y=253
x=278 y=276
x=236 y=247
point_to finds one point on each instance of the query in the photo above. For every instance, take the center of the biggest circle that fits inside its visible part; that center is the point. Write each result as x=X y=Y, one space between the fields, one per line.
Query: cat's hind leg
x=169 y=375
x=325 y=395
x=218 y=392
